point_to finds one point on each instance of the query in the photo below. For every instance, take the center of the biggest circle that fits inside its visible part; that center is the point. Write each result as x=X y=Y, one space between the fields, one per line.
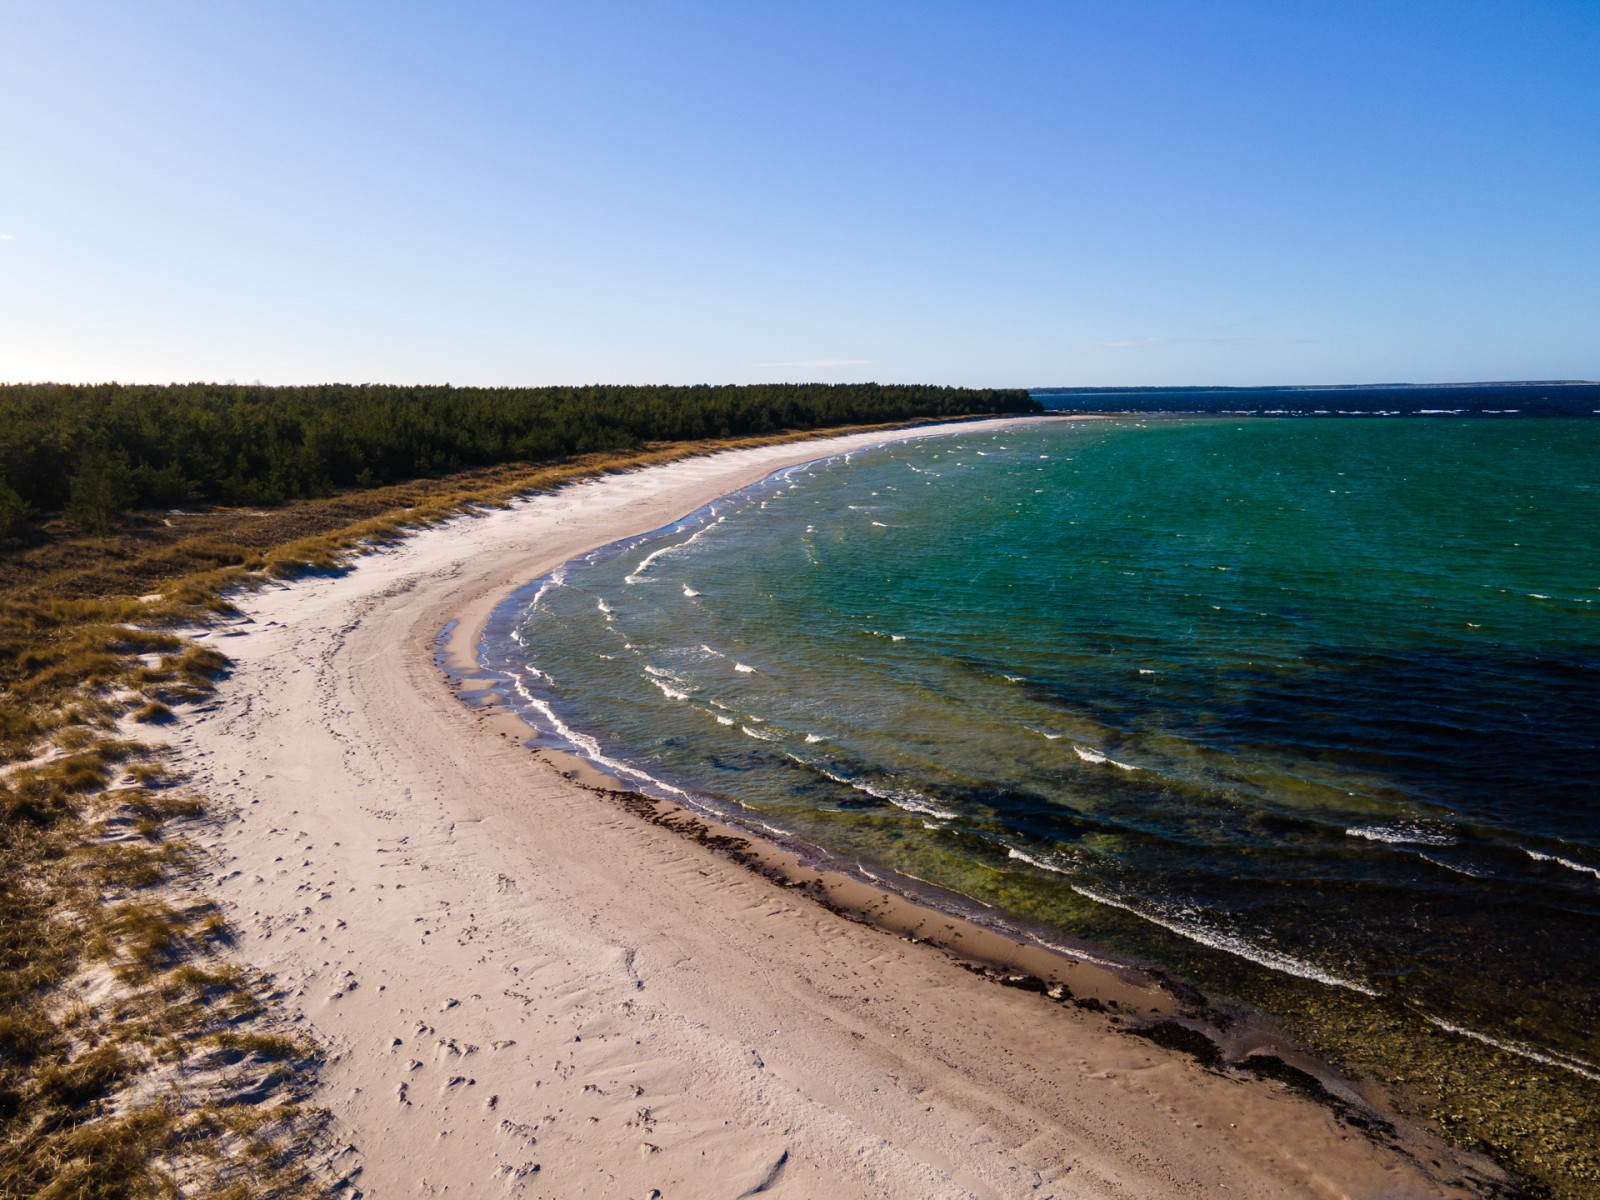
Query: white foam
x=880 y=525
x=1049 y=737
x=1404 y=834
x=1042 y=864
x=742 y=669
x=764 y=735
x=904 y=798
x=671 y=693
x=1230 y=943
x=1146 y=671
x=1550 y=1058
x=603 y=606
x=664 y=681
x=689 y=591
x=1562 y=862
x=721 y=720
x=1456 y=867
x=899 y=797
x=1081 y=955
x=1094 y=756
x=814 y=738
x=912 y=802
x=713 y=653
x=588 y=747
x=637 y=574
x=556 y=579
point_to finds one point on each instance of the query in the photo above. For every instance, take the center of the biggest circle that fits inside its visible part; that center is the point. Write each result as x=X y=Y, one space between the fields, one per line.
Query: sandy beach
x=527 y=987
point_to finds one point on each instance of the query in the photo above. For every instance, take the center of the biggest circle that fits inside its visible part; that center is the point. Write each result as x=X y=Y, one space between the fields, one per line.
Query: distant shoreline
x=1316 y=387
x=1534 y=399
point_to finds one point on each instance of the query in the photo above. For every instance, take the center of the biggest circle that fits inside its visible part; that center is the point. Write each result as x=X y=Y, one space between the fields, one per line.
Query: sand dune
x=525 y=988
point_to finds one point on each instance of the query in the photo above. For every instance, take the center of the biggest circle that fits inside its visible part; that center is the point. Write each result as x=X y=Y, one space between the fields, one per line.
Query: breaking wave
x=1229 y=943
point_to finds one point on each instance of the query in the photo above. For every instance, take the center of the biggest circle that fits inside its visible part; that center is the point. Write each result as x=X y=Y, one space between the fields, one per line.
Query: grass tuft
x=153 y=712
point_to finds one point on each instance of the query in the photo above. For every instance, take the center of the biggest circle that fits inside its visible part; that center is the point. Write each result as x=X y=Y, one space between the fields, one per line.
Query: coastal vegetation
x=97 y=451
x=136 y=1058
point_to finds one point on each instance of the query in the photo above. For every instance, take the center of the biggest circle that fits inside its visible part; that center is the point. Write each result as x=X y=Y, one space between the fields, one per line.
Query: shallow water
x=1306 y=711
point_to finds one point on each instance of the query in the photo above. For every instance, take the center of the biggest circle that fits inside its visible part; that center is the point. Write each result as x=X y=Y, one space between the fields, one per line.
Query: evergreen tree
x=97 y=450
x=100 y=490
x=16 y=522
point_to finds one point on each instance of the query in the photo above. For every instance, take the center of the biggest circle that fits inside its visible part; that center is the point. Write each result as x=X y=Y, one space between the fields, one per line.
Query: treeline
x=94 y=451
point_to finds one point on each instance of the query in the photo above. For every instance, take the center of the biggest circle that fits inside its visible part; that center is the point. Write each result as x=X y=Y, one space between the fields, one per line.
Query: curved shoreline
x=765 y=461
x=524 y=986
x=904 y=905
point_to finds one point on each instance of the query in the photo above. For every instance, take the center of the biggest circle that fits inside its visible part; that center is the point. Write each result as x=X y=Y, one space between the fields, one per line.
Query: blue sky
x=1000 y=193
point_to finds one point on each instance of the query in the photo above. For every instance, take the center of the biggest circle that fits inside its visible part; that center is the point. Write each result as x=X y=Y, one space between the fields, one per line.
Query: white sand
x=524 y=988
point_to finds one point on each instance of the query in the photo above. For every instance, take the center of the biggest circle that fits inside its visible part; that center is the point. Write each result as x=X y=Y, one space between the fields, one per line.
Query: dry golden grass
x=152 y=712
x=192 y=558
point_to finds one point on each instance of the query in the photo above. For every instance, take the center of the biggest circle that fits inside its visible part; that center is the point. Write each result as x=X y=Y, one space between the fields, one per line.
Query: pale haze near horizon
x=1006 y=194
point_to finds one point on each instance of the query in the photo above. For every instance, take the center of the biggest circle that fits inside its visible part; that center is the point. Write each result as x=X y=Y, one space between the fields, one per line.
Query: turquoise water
x=1307 y=711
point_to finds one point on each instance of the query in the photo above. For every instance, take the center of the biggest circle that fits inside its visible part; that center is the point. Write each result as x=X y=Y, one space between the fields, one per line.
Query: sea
x=1305 y=712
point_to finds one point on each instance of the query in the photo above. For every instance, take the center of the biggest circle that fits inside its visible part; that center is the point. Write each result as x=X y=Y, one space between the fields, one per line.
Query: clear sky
x=987 y=192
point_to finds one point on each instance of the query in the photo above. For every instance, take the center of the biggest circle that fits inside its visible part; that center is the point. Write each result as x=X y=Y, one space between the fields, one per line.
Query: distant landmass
x=1524 y=398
